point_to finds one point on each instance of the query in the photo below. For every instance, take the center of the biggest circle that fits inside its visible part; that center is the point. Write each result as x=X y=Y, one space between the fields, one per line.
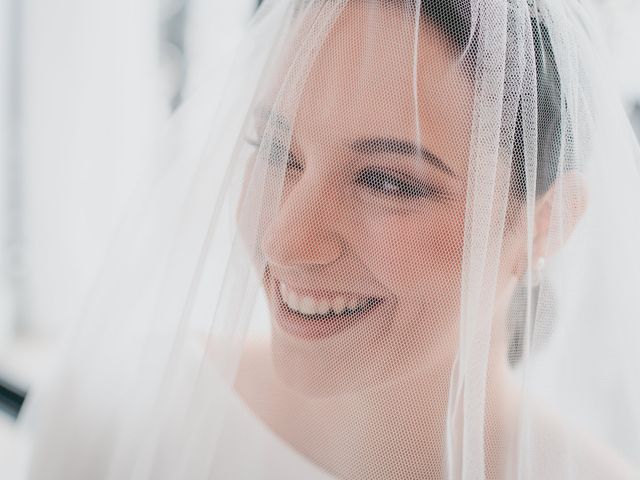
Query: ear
x=556 y=215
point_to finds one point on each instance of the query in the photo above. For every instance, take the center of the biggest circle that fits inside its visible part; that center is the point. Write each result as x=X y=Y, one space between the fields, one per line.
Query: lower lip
x=303 y=327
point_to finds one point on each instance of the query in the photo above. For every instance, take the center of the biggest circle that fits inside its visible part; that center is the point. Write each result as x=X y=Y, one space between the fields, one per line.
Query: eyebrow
x=366 y=146
x=372 y=146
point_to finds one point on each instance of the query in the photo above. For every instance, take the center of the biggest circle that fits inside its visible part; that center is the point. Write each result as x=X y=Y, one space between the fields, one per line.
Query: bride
x=419 y=263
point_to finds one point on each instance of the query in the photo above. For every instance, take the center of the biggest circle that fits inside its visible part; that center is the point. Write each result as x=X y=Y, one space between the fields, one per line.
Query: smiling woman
x=419 y=197
x=357 y=195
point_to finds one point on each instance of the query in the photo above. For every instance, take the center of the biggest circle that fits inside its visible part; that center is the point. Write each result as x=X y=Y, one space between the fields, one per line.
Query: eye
x=393 y=184
x=276 y=154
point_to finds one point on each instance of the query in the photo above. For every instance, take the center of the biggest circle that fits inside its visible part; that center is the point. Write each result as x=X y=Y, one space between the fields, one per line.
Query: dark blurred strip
x=11 y=398
x=634 y=114
x=172 y=32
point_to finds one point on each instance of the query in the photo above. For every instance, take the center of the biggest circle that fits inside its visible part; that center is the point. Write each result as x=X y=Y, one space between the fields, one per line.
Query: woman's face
x=364 y=254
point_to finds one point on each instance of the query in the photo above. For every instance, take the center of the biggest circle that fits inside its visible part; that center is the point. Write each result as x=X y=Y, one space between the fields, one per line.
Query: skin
x=337 y=230
x=351 y=235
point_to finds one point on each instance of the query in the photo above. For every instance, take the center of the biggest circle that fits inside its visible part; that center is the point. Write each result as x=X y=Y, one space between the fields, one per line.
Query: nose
x=304 y=230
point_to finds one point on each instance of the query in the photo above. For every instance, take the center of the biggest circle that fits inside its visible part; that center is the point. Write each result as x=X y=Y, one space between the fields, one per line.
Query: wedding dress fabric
x=405 y=245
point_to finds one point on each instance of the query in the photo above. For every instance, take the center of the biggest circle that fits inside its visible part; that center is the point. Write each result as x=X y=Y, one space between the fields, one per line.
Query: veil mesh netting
x=406 y=245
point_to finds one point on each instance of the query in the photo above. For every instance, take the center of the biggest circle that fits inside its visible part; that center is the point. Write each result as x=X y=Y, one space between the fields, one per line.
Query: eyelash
x=374 y=179
x=380 y=182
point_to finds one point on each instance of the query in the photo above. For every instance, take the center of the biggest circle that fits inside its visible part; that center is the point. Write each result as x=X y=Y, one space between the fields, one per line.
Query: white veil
x=404 y=246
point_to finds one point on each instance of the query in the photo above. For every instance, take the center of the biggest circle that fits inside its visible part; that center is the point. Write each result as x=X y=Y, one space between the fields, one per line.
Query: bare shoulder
x=253 y=373
x=256 y=381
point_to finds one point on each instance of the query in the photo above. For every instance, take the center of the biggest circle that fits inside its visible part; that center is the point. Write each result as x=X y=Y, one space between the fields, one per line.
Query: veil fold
x=404 y=245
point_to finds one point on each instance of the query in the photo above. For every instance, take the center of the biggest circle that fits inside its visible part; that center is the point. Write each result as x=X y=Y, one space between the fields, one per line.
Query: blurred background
x=85 y=87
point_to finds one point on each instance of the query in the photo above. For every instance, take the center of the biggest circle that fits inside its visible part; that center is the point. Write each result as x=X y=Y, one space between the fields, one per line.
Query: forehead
x=363 y=80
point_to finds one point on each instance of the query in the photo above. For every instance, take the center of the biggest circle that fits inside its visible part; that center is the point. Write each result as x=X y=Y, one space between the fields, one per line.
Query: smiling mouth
x=315 y=308
x=313 y=315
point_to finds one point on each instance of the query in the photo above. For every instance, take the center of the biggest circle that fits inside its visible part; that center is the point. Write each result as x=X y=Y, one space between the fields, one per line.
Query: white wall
x=6 y=296
x=90 y=109
x=94 y=92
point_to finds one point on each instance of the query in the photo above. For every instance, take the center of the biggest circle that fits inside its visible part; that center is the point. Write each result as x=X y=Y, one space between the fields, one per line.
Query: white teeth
x=283 y=292
x=338 y=305
x=293 y=301
x=323 y=307
x=308 y=305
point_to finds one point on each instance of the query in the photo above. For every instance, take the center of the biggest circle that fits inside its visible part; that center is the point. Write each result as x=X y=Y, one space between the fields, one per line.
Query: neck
x=400 y=427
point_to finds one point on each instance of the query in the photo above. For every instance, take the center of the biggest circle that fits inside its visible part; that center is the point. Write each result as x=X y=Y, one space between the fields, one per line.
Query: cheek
x=416 y=254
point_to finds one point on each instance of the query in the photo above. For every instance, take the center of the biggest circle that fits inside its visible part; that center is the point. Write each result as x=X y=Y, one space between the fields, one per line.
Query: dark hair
x=453 y=19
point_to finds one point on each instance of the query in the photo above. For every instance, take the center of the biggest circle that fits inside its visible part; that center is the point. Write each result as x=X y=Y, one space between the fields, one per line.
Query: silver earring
x=541 y=323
